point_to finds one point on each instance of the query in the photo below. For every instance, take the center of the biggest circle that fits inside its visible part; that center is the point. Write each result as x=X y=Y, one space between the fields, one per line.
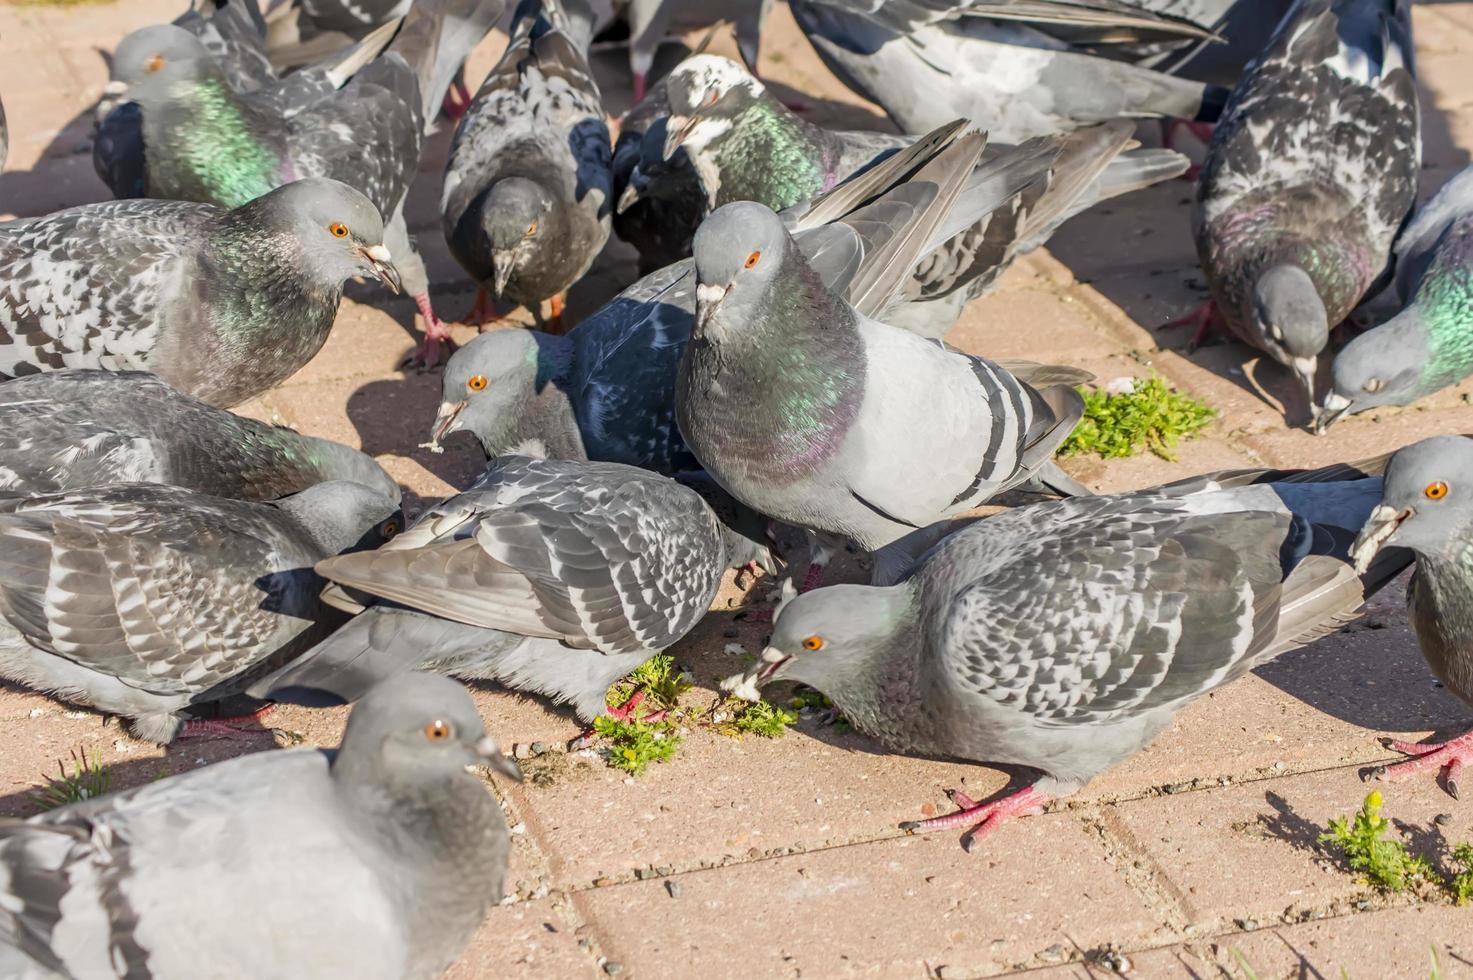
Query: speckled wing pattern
x=169 y=591
x=85 y=287
x=1111 y=16
x=598 y=555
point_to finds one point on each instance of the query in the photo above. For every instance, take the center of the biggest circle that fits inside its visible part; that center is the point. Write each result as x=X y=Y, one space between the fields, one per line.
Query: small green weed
x=1362 y=840
x=1152 y=416
x=87 y=780
x=633 y=745
x=659 y=677
x=761 y=718
x=1461 y=883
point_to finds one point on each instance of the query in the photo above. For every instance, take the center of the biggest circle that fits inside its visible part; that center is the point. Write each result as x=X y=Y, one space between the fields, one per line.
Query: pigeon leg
x=457 y=99
x=1202 y=131
x=482 y=314
x=1201 y=317
x=428 y=353
x=555 y=319
x=1450 y=757
x=238 y=727
x=624 y=712
x=981 y=819
x=639 y=86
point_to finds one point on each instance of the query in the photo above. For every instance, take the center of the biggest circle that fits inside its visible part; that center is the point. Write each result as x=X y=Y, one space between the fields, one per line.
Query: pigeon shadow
x=394 y=415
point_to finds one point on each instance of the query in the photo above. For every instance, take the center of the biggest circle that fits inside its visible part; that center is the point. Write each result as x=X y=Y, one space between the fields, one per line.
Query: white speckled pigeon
x=141 y=600
x=550 y=576
x=528 y=189
x=69 y=430
x=1429 y=344
x=221 y=304
x=205 y=142
x=376 y=860
x=651 y=21
x=1427 y=506
x=1309 y=176
x=1064 y=636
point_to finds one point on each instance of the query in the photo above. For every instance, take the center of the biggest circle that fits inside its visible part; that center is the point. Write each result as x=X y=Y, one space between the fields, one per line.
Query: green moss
x=633 y=745
x=660 y=677
x=761 y=718
x=86 y=780
x=1152 y=416
x=1361 y=839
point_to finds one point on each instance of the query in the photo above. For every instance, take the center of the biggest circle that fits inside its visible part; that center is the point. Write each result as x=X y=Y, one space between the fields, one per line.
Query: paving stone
x=527 y=940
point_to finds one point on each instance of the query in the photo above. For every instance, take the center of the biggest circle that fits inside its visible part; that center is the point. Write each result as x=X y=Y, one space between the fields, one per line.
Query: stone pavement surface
x=754 y=858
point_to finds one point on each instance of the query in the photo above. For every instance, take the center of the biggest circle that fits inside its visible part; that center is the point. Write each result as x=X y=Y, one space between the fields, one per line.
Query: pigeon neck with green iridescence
x=1444 y=301
x=768 y=155
x=776 y=385
x=1441 y=603
x=204 y=143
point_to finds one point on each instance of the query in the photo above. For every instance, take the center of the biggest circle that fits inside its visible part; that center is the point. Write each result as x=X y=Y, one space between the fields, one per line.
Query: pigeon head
x=413 y=728
x=155 y=56
x=341 y=231
x=514 y=217
x=1291 y=317
x=706 y=93
x=1380 y=367
x=1426 y=502
x=828 y=639
x=486 y=386
x=341 y=515
x=737 y=250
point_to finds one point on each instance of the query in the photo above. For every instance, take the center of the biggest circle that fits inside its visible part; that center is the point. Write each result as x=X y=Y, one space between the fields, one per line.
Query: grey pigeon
x=805 y=408
x=379 y=859
x=1427 y=507
x=528 y=189
x=4 y=137
x=550 y=576
x=70 y=430
x=651 y=21
x=1064 y=636
x=1428 y=346
x=205 y=142
x=221 y=304
x=141 y=600
x=1309 y=176
x=659 y=203
x=1016 y=68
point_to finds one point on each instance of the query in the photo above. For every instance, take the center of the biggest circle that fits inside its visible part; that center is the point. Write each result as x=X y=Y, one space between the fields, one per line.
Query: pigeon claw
x=981 y=819
x=236 y=728
x=1449 y=757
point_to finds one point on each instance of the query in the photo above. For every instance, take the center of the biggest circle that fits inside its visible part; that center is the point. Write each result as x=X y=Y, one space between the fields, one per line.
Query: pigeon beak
x=382 y=264
x=1379 y=529
x=491 y=755
x=708 y=300
x=627 y=199
x=446 y=421
x=677 y=131
x=1334 y=406
x=502 y=264
x=747 y=685
x=115 y=88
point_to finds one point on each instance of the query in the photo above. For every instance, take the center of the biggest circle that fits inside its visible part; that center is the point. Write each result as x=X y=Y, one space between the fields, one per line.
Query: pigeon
x=221 y=304
x=1016 y=68
x=651 y=21
x=1309 y=176
x=378 y=859
x=142 y=600
x=1426 y=508
x=205 y=142
x=4 y=137
x=80 y=429
x=659 y=203
x=551 y=576
x=528 y=187
x=1428 y=346
x=806 y=409
x=1065 y=635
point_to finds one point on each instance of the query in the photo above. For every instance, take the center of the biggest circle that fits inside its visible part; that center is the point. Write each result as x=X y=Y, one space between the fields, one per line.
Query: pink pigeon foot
x=429 y=352
x=624 y=712
x=457 y=100
x=237 y=727
x=981 y=819
x=1202 y=317
x=813 y=578
x=639 y=87
x=1450 y=757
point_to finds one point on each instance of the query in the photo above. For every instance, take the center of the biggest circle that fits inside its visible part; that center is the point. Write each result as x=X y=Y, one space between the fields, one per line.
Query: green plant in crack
x=760 y=718
x=1149 y=416
x=1361 y=840
x=87 y=780
x=660 y=677
x=1460 y=885
x=633 y=745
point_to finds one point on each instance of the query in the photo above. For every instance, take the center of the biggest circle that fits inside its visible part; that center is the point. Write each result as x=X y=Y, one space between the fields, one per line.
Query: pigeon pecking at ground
x=1016 y=69
x=221 y=304
x=70 y=430
x=1309 y=176
x=528 y=188
x=651 y=21
x=205 y=142
x=1428 y=346
x=551 y=576
x=1064 y=636
x=658 y=203
x=142 y=600
x=1427 y=508
x=379 y=859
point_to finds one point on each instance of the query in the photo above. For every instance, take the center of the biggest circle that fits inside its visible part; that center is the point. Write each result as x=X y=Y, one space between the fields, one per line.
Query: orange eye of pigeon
x=438 y=730
x=389 y=529
x=338 y=229
x=477 y=382
x=813 y=643
x=156 y=63
x=752 y=260
x=532 y=229
x=1436 y=491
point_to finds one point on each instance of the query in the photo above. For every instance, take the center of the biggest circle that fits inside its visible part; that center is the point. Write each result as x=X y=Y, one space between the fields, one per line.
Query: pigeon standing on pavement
x=379 y=859
x=141 y=600
x=1064 y=636
x=1309 y=176
x=70 y=430
x=1016 y=69
x=1428 y=346
x=205 y=142
x=221 y=304
x=1427 y=506
x=528 y=187
x=551 y=576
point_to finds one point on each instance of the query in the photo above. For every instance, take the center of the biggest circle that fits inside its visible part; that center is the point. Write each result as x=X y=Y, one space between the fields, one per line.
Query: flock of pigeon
x=780 y=362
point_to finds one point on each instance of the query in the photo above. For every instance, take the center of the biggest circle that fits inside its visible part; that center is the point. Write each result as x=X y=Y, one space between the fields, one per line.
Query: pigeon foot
x=1449 y=757
x=457 y=100
x=981 y=819
x=555 y=318
x=437 y=345
x=237 y=727
x=1202 y=317
x=624 y=712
